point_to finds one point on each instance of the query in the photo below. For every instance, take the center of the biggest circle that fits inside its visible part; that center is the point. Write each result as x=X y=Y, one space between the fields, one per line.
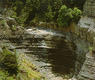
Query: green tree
x=76 y=14
x=48 y=10
x=67 y=15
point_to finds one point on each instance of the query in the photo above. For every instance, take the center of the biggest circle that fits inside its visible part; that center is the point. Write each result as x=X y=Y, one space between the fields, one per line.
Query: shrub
x=9 y=62
x=5 y=76
x=76 y=14
x=68 y=15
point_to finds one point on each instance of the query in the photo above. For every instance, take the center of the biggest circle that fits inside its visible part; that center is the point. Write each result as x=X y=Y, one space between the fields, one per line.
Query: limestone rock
x=88 y=69
x=89 y=8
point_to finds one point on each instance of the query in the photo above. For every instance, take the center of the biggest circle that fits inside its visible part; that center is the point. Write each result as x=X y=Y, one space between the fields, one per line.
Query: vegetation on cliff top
x=32 y=11
x=68 y=15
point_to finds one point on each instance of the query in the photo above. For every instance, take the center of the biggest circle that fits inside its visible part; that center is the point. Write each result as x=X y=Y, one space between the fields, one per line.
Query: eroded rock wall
x=89 y=8
x=86 y=31
x=86 y=25
x=88 y=70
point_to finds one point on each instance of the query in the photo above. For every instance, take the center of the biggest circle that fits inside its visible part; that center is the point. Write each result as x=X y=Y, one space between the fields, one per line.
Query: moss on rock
x=17 y=66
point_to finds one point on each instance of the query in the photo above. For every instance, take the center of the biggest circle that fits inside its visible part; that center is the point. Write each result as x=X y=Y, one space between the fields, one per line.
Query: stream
x=50 y=51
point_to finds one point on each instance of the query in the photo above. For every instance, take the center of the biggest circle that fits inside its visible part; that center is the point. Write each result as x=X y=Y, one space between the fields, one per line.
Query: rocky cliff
x=89 y=8
x=86 y=31
x=88 y=70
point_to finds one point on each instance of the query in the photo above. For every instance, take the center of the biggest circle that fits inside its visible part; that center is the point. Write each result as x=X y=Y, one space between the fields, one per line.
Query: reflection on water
x=62 y=57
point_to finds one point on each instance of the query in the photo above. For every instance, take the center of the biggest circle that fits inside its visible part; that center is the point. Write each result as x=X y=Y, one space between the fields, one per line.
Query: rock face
x=86 y=25
x=87 y=28
x=86 y=31
x=89 y=8
x=88 y=70
x=9 y=28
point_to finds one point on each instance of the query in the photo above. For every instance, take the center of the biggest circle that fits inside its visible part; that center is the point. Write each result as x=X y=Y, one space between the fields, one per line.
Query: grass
x=27 y=70
x=20 y=66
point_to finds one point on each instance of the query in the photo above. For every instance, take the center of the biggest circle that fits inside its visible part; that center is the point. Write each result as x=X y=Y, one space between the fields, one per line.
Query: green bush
x=2 y=23
x=68 y=15
x=47 y=11
x=9 y=61
x=15 y=66
x=49 y=15
x=5 y=76
x=76 y=14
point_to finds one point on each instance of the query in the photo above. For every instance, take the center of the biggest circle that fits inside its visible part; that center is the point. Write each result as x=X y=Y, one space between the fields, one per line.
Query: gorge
x=57 y=54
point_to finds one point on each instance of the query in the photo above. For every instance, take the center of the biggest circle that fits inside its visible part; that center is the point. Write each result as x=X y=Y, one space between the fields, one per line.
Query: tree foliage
x=47 y=10
x=68 y=15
